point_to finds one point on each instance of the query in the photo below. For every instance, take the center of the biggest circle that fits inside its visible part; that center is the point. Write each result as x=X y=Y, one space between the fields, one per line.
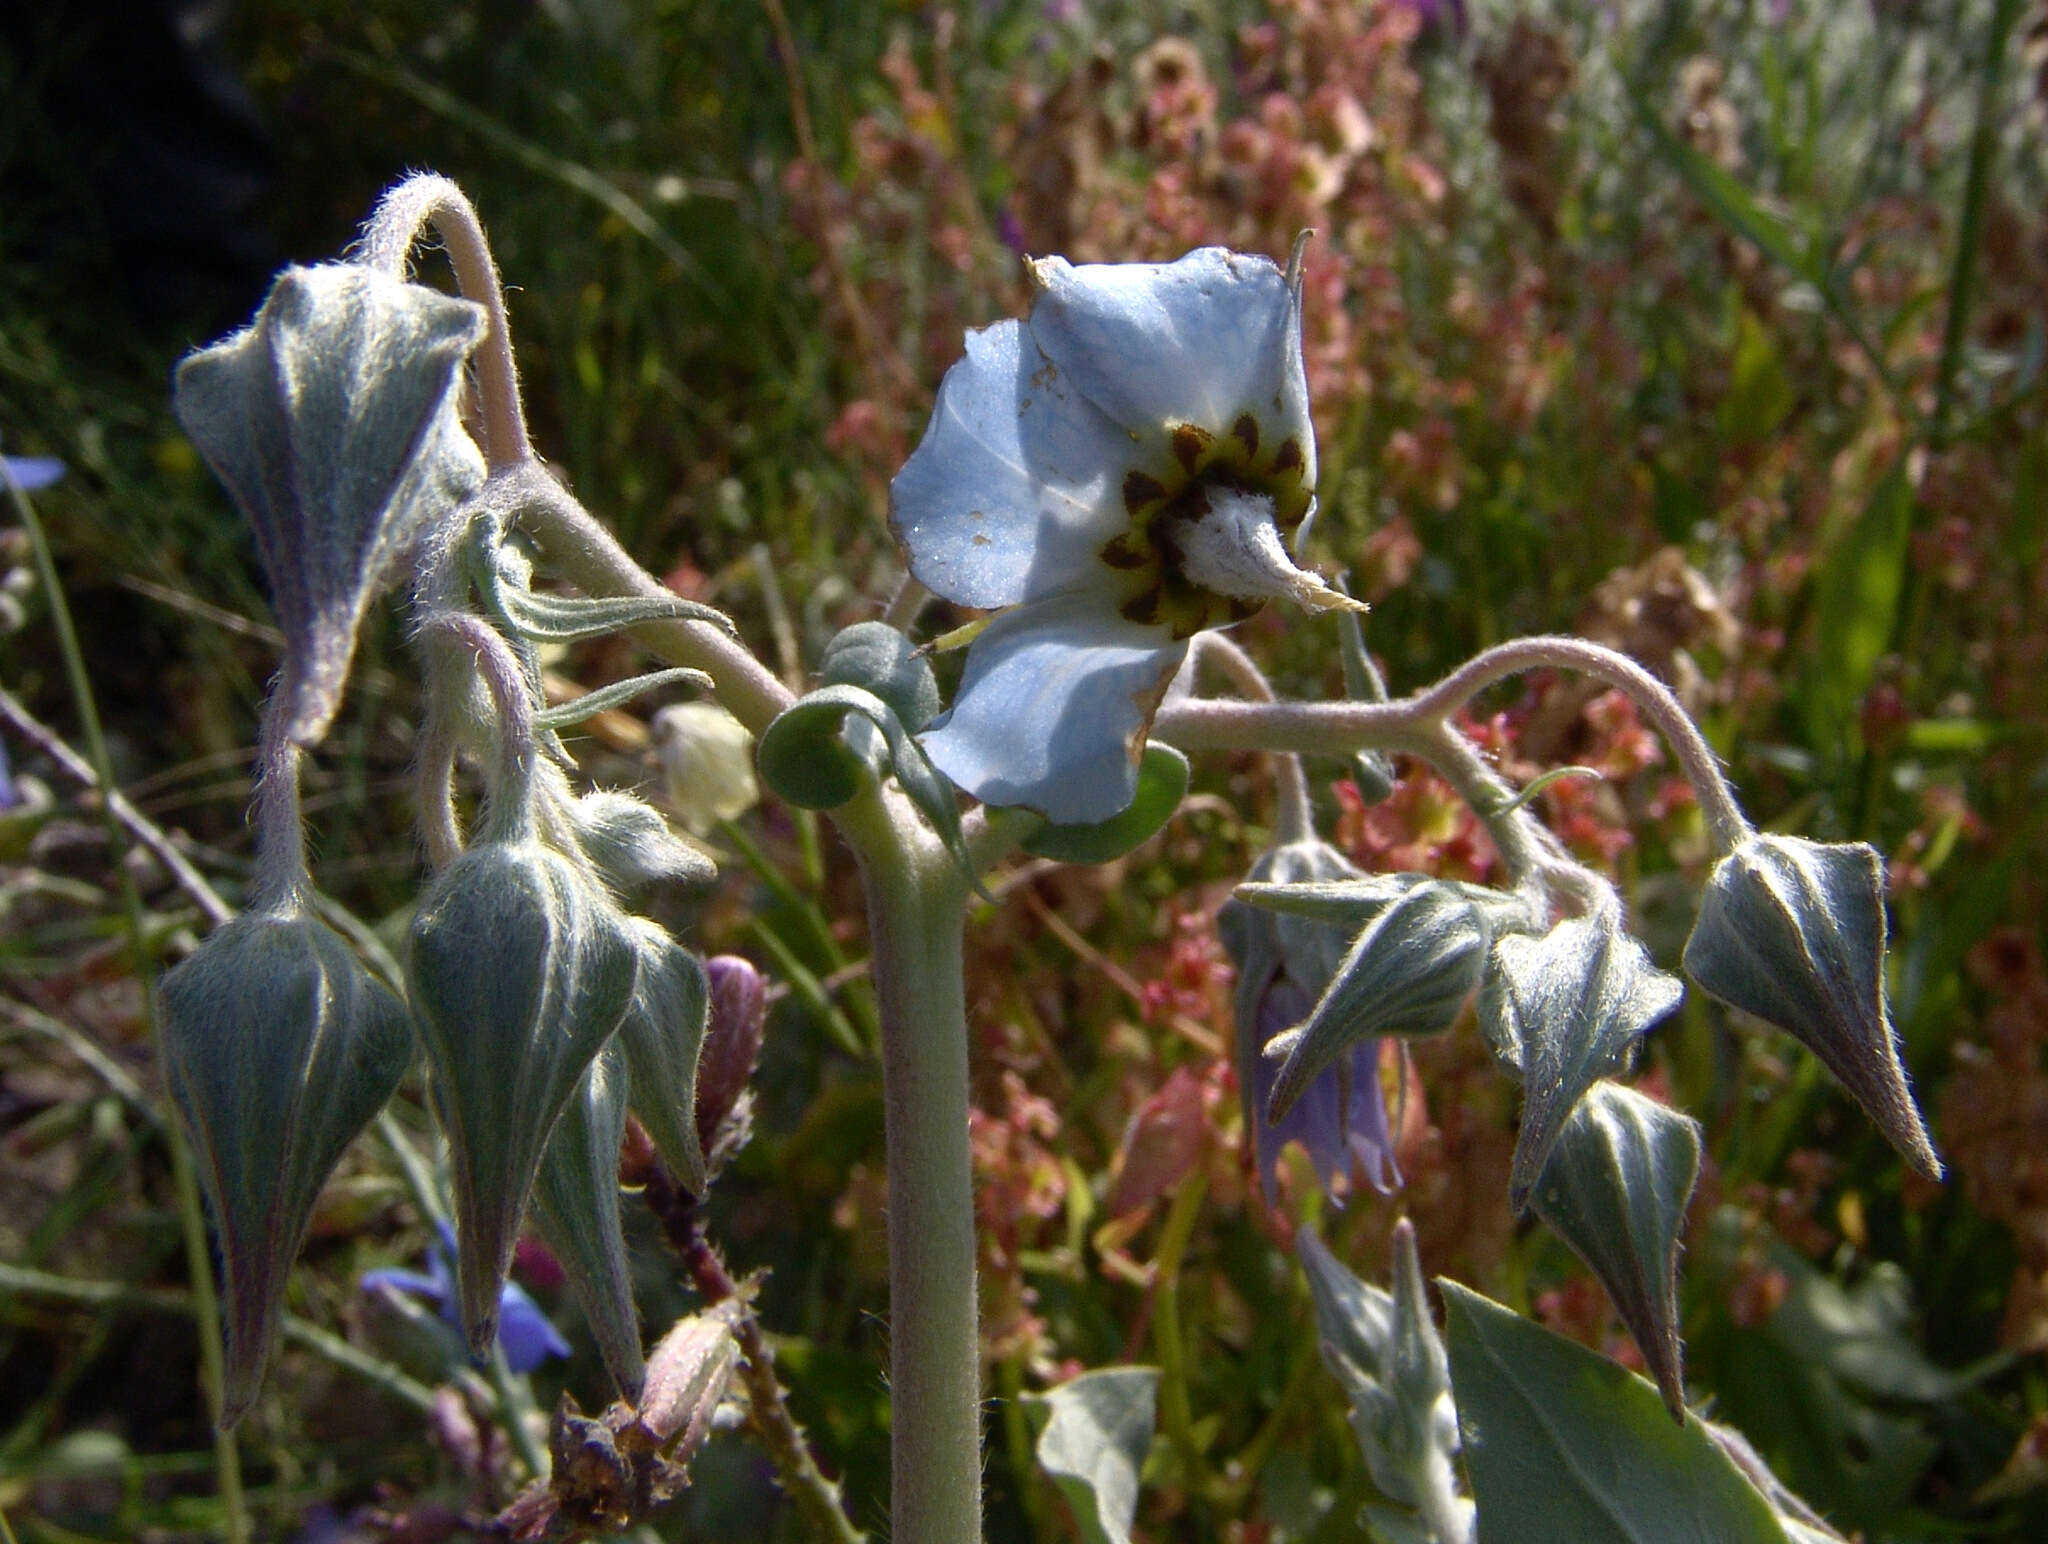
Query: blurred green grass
x=1592 y=283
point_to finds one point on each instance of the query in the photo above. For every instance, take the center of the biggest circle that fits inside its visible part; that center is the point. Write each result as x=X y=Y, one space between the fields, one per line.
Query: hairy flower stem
x=1414 y=725
x=1294 y=814
x=767 y=1410
x=916 y=910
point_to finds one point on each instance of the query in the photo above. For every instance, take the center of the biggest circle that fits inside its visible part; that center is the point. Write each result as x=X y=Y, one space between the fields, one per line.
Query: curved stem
x=281 y=875
x=510 y=814
x=1410 y=724
x=388 y=238
x=916 y=908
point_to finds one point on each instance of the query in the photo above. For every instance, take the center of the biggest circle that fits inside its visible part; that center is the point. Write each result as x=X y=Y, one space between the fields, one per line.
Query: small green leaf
x=619 y=693
x=1162 y=784
x=546 y=618
x=1095 y=1432
x=806 y=759
x=1565 y=1447
x=1615 y=1188
x=662 y=1035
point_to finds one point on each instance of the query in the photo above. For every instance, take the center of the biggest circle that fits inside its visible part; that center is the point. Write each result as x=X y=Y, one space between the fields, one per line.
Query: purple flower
x=1283 y=965
x=525 y=1334
x=1340 y=1122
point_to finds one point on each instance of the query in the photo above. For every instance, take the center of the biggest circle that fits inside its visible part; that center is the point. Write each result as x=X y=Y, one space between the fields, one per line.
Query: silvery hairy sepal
x=1564 y=1010
x=662 y=1036
x=1793 y=932
x=1615 y=1188
x=630 y=844
x=576 y=1204
x=280 y=1047
x=1407 y=973
x=332 y=419
x=520 y=969
x=1384 y=1348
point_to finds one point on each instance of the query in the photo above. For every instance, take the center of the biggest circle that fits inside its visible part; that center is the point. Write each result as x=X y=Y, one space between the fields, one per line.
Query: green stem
x=192 y=1220
x=1176 y=1410
x=916 y=908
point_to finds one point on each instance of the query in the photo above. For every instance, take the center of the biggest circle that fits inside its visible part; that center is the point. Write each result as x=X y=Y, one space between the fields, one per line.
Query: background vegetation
x=1710 y=328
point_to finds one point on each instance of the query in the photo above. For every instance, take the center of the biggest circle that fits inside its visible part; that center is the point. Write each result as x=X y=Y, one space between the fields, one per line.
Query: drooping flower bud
x=1794 y=932
x=687 y=1376
x=280 y=1048
x=520 y=970
x=707 y=764
x=732 y=1044
x=1615 y=1188
x=332 y=419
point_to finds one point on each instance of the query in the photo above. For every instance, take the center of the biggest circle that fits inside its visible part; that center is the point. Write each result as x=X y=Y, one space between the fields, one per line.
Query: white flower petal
x=1054 y=707
x=1201 y=341
x=1018 y=482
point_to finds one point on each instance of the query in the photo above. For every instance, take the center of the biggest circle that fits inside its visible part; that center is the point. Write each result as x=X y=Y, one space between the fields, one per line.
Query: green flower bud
x=332 y=419
x=520 y=970
x=280 y=1047
x=1794 y=932
x=1615 y=1188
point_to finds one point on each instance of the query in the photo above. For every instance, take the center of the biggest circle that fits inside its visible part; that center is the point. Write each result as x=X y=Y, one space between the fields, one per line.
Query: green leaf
x=1615 y=1189
x=662 y=1036
x=1162 y=784
x=1565 y=1447
x=1856 y=602
x=1096 y=1431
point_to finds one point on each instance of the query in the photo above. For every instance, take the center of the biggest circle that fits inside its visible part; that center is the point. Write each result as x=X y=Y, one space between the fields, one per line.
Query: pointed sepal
x=1564 y=1010
x=280 y=1047
x=1616 y=1188
x=1408 y=973
x=521 y=968
x=1793 y=932
x=663 y=1038
x=576 y=1204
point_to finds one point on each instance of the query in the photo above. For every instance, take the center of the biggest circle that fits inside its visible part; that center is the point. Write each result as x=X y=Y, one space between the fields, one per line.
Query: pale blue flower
x=1113 y=475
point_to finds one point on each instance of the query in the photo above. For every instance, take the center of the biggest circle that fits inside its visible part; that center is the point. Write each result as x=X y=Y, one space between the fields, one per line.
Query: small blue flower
x=525 y=1334
x=1113 y=475
x=31 y=474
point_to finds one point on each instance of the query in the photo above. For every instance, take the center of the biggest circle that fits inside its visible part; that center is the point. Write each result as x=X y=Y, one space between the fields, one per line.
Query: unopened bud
x=687 y=1376
x=732 y=1045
